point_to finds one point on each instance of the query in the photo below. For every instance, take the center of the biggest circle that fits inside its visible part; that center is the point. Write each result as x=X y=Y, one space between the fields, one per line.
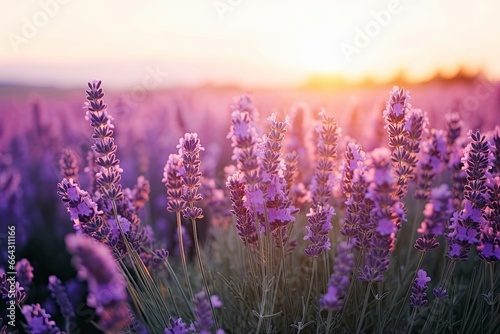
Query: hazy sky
x=253 y=42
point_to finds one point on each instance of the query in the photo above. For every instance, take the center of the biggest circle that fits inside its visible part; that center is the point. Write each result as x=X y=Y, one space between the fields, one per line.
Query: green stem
x=304 y=313
x=202 y=270
x=412 y=320
x=183 y=254
x=409 y=289
x=363 y=311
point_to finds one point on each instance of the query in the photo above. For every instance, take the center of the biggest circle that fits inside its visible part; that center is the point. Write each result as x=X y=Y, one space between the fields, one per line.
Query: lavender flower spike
x=59 y=294
x=418 y=296
x=24 y=272
x=189 y=149
x=319 y=218
x=110 y=174
x=107 y=288
x=38 y=320
x=204 y=321
x=340 y=279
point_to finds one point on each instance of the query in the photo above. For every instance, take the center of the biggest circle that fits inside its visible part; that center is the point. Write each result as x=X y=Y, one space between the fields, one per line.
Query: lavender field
x=367 y=210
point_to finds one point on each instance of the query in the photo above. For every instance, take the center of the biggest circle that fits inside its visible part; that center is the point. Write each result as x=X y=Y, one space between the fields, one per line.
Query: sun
x=318 y=51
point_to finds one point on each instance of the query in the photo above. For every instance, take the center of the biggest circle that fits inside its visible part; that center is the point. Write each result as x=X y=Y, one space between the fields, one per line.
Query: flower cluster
x=395 y=116
x=418 y=296
x=189 y=149
x=245 y=142
x=109 y=176
x=245 y=224
x=436 y=215
x=340 y=279
x=203 y=314
x=354 y=187
x=385 y=214
x=24 y=272
x=58 y=292
x=320 y=215
x=278 y=206
x=38 y=320
x=433 y=155
x=68 y=165
x=466 y=224
x=173 y=183
x=107 y=288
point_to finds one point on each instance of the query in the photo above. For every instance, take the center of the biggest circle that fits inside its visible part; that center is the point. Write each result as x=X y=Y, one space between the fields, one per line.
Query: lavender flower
x=107 y=288
x=273 y=185
x=203 y=314
x=322 y=183
x=58 y=292
x=68 y=165
x=38 y=320
x=139 y=196
x=440 y=293
x=495 y=144
x=385 y=214
x=340 y=279
x=395 y=115
x=431 y=162
x=189 y=148
x=84 y=213
x=453 y=131
x=245 y=223
x=477 y=163
x=177 y=327
x=109 y=176
x=436 y=215
x=245 y=141
x=319 y=218
x=173 y=182
x=418 y=296
x=466 y=224
x=24 y=272
x=354 y=186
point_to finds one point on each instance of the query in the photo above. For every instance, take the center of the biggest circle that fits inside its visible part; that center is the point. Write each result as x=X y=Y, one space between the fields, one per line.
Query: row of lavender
x=270 y=191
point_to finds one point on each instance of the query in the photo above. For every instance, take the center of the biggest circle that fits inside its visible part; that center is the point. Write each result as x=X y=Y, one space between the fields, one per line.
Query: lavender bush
x=298 y=230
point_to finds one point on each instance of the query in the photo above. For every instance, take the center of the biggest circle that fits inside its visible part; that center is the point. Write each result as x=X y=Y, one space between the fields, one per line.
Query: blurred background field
x=173 y=67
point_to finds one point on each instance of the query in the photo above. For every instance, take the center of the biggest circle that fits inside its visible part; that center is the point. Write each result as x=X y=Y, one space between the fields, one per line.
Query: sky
x=163 y=43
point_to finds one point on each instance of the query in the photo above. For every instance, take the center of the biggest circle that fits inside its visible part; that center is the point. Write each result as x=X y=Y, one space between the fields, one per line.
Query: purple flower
x=340 y=279
x=245 y=224
x=189 y=149
x=203 y=314
x=173 y=183
x=109 y=176
x=322 y=182
x=58 y=292
x=177 y=327
x=24 y=272
x=245 y=142
x=68 y=165
x=319 y=218
x=403 y=151
x=440 y=293
x=273 y=185
x=139 y=196
x=38 y=320
x=433 y=154
x=436 y=215
x=418 y=296
x=319 y=225
x=107 y=287
x=385 y=214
